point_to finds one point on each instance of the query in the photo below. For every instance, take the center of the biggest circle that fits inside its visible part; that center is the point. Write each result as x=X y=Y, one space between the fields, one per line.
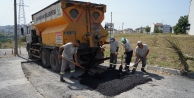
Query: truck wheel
x=45 y=56
x=29 y=52
x=29 y=55
x=54 y=61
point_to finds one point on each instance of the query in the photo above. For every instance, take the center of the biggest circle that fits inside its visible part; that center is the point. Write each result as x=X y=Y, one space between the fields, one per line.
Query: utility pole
x=119 y=30
x=15 y=29
x=122 y=27
x=111 y=25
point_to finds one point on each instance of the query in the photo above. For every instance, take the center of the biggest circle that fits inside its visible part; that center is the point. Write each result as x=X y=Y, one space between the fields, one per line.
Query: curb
x=167 y=70
x=161 y=69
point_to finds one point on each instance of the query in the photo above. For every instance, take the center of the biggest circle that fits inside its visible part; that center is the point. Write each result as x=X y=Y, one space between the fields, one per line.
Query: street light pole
x=111 y=25
x=15 y=29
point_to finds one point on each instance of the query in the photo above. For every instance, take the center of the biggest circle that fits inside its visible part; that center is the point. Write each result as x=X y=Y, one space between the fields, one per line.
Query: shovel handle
x=74 y=63
x=136 y=63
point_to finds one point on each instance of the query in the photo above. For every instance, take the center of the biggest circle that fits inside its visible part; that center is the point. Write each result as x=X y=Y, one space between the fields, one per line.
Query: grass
x=160 y=54
x=8 y=45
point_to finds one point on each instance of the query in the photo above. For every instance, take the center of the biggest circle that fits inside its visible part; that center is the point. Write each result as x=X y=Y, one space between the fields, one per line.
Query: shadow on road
x=148 y=75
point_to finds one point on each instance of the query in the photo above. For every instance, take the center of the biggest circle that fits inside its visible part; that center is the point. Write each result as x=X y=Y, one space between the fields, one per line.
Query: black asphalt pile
x=109 y=83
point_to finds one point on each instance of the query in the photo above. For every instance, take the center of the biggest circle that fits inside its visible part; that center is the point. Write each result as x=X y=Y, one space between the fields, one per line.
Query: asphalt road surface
x=30 y=80
x=163 y=86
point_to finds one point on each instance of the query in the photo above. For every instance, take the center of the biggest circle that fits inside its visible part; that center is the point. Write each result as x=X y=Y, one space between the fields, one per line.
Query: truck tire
x=29 y=55
x=54 y=61
x=29 y=52
x=45 y=56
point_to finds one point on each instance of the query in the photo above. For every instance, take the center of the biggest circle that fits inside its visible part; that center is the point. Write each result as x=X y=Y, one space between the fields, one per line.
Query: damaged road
x=47 y=83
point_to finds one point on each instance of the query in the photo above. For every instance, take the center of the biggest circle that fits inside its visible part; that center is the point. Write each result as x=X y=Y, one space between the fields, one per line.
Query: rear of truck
x=63 y=22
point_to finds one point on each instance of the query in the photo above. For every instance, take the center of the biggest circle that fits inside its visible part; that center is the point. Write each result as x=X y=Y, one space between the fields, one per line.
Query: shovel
x=133 y=64
x=78 y=65
x=74 y=63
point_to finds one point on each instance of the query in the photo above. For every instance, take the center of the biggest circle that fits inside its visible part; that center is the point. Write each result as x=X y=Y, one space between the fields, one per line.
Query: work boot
x=142 y=69
x=62 y=80
x=127 y=70
x=109 y=68
x=133 y=71
x=73 y=78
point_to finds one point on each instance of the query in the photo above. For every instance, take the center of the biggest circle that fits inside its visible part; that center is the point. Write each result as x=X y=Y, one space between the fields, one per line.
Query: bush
x=141 y=31
x=160 y=31
x=4 y=40
x=23 y=39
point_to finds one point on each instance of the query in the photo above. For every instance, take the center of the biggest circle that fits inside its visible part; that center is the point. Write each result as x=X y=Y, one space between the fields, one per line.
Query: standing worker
x=69 y=51
x=141 y=54
x=128 y=52
x=114 y=47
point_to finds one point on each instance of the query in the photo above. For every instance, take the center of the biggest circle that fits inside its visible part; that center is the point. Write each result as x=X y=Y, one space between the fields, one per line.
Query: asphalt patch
x=109 y=83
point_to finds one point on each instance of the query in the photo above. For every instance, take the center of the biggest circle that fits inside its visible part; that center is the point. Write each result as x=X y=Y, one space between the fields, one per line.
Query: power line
x=21 y=16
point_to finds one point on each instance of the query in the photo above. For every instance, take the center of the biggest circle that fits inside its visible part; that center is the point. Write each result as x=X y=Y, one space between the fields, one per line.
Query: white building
x=128 y=30
x=157 y=25
x=191 y=18
x=160 y=26
x=138 y=30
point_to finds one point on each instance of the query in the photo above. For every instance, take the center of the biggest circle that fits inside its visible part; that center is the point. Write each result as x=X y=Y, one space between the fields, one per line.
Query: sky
x=132 y=13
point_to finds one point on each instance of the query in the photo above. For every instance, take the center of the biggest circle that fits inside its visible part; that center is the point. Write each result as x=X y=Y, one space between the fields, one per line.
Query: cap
x=139 y=42
x=123 y=40
x=111 y=37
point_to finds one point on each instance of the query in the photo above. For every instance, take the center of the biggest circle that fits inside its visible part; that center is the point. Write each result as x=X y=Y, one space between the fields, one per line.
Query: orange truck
x=63 y=22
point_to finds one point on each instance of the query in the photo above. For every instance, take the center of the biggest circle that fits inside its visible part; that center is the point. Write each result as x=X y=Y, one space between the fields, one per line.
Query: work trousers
x=128 y=57
x=64 y=64
x=143 y=62
x=113 y=60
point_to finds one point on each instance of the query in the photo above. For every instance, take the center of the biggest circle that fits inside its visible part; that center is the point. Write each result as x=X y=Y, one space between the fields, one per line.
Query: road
x=30 y=80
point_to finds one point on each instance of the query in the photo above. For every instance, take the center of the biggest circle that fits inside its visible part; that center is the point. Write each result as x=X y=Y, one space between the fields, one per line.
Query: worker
x=141 y=55
x=114 y=47
x=128 y=52
x=69 y=51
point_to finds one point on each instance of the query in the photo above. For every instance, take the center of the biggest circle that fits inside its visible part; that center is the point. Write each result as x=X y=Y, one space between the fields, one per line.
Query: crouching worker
x=141 y=55
x=69 y=51
x=114 y=47
x=128 y=52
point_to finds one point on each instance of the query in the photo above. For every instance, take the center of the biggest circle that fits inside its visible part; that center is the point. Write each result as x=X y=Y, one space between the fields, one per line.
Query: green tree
x=156 y=30
x=179 y=28
x=160 y=31
x=141 y=31
x=147 y=29
x=107 y=34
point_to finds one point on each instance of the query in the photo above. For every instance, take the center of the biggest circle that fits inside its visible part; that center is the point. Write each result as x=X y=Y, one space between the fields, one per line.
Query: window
x=74 y=13
x=96 y=15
